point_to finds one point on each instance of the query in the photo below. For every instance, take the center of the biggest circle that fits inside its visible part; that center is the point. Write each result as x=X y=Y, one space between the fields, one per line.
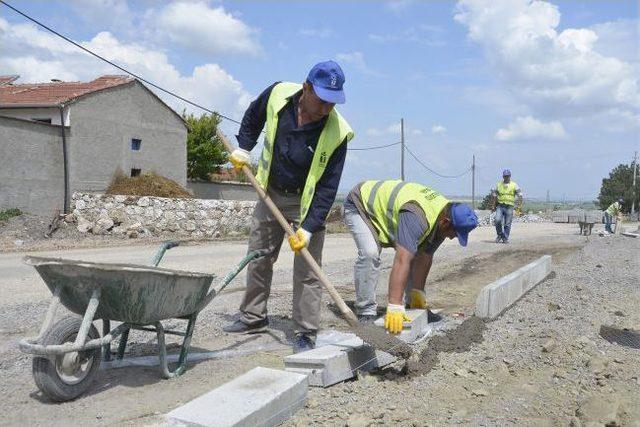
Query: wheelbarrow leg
x=123 y=344
x=184 y=350
x=106 y=349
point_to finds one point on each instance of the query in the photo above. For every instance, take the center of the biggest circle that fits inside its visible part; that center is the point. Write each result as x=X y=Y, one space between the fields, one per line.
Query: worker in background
x=411 y=218
x=300 y=169
x=614 y=210
x=504 y=197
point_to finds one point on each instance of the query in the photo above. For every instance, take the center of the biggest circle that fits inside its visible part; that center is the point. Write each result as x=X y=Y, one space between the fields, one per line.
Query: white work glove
x=239 y=158
x=299 y=240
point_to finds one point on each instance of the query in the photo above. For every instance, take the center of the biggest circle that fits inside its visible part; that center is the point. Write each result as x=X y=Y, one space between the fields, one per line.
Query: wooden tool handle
x=304 y=252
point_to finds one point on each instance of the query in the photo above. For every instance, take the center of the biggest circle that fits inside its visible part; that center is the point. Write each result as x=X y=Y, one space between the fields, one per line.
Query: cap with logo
x=506 y=172
x=464 y=220
x=327 y=80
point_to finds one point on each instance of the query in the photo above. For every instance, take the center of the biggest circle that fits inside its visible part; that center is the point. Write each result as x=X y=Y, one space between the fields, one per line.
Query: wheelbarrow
x=68 y=353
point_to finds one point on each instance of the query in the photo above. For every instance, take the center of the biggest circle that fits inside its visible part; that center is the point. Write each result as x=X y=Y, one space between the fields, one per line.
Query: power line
x=118 y=66
x=374 y=148
x=431 y=170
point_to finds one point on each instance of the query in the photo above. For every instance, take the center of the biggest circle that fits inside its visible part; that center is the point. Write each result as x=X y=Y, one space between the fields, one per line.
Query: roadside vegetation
x=7 y=214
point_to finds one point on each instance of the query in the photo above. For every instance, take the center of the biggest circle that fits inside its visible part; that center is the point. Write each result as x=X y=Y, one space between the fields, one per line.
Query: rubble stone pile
x=136 y=216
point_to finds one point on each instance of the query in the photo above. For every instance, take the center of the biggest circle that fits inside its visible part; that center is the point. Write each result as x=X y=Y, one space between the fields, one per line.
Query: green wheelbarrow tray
x=68 y=352
x=128 y=293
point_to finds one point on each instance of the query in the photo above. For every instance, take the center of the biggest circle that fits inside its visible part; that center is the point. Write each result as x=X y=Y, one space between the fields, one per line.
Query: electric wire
x=433 y=171
x=374 y=148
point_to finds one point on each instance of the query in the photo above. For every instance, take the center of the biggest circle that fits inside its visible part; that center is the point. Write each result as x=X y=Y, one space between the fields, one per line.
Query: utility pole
x=635 y=172
x=473 y=182
x=402 y=149
x=548 y=203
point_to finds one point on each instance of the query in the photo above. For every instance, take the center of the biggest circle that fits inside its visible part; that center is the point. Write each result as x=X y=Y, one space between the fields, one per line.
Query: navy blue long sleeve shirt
x=293 y=152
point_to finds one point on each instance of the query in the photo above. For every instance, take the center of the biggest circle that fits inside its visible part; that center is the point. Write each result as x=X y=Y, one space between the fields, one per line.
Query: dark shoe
x=505 y=240
x=302 y=342
x=367 y=318
x=498 y=239
x=239 y=327
x=433 y=317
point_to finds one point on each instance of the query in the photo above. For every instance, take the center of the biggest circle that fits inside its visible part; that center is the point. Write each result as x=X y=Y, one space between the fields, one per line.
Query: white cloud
x=356 y=59
x=556 y=74
x=322 y=33
x=529 y=128
x=204 y=29
x=37 y=57
x=438 y=129
x=393 y=129
x=111 y=14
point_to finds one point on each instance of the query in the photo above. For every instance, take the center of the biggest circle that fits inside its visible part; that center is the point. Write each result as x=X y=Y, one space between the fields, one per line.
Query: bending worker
x=300 y=168
x=505 y=195
x=411 y=218
x=613 y=210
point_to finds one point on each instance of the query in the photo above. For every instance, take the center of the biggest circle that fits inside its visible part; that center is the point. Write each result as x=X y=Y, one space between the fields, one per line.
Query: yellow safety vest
x=336 y=130
x=383 y=200
x=614 y=209
x=506 y=193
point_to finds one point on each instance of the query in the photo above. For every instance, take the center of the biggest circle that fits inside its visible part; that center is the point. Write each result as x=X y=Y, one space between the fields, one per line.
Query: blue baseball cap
x=621 y=200
x=506 y=172
x=327 y=80
x=464 y=220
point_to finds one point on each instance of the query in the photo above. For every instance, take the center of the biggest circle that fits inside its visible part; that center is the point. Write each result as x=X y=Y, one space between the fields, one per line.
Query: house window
x=135 y=144
x=42 y=120
x=135 y=172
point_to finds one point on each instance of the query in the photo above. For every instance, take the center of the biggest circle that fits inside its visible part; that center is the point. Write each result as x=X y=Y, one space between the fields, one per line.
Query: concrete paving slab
x=498 y=296
x=261 y=397
x=414 y=330
x=334 y=363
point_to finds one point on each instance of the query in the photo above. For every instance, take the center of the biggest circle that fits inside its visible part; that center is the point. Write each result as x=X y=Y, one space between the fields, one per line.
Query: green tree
x=619 y=184
x=205 y=152
x=486 y=202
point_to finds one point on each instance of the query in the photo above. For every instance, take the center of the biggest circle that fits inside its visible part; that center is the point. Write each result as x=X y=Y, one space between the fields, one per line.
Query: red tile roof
x=45 y=94
x=5 y=80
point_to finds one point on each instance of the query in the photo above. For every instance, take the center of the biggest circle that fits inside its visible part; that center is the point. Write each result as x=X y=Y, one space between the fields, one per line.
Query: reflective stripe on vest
x=613 y=209
x=506 y=193
x=336 y=131
x=384 y=199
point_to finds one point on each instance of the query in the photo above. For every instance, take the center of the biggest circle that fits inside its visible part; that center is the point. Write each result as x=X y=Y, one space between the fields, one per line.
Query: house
x=61 y=137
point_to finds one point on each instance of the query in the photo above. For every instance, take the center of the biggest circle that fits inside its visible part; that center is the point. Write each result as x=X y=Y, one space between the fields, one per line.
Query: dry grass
x=147 y=184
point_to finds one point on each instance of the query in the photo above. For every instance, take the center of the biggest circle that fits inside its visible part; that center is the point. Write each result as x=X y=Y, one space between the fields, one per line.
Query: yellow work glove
x=518 y=212
x=299 y=240
x=395 y=318
x=239 y=158
x=417 y=299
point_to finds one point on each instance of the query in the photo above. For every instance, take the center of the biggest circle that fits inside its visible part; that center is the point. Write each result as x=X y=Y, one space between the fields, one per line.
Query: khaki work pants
x=266 y=233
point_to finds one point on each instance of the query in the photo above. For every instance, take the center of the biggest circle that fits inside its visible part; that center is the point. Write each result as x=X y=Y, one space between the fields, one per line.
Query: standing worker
x=300 y=168
x=504 y=199
x=411 y=218
x=613 y=210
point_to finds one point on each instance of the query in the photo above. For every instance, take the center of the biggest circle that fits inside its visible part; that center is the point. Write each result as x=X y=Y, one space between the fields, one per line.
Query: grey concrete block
x=334 y=363
x=496 y=297
x=261 y=397
x=414 y=330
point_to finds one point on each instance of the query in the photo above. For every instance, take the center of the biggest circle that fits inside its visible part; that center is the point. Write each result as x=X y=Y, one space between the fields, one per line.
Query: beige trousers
x=266 y=233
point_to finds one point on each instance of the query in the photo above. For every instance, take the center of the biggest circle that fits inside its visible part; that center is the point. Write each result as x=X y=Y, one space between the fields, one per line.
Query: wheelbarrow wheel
x=65 y=377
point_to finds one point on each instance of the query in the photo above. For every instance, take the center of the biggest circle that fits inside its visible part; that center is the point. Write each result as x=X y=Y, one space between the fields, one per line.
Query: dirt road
x=136 y=396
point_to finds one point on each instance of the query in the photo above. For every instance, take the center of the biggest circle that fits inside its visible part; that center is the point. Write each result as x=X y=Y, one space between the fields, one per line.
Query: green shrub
x=9 y=213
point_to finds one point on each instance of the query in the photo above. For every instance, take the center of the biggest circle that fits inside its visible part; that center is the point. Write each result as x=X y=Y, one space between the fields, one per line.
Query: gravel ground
x=137 y=396
x=541 y=363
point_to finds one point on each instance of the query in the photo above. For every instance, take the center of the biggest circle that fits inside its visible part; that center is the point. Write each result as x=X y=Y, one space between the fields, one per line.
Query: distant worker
x=614 y=210
x=504 y=197
x=411 y=218
x=300 y=168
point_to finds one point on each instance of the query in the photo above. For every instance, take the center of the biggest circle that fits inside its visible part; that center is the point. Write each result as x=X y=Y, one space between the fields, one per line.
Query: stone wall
x=139 y=216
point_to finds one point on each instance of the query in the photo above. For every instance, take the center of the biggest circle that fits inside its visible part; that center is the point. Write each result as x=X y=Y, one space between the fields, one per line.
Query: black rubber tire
x=46 y=375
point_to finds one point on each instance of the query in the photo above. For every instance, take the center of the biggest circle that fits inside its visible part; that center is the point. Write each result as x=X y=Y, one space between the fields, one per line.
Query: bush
x=8 y=214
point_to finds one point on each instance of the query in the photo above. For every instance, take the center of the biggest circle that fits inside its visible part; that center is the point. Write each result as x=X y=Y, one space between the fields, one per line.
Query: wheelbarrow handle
x=163 y=248
x=253 y=255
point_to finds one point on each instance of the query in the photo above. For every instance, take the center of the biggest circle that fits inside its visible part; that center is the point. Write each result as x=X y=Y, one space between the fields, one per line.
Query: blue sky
x=547 y=89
